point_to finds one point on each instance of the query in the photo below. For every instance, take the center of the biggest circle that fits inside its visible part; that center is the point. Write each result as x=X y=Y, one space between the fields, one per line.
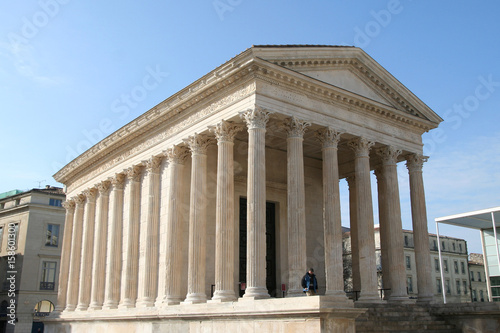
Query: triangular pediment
x=346 y=79
x=350 y=69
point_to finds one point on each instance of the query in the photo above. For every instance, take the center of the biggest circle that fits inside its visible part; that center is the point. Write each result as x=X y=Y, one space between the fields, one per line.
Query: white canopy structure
x=487 y=221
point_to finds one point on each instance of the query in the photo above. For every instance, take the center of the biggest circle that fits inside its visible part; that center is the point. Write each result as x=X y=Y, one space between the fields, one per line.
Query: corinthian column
x=198 y=144
x=297 y=259
x=256 y=120
x=383 y=231
x=420 y=232
x=101 y=238
x=87 y=250
x=393 y=225
x=149 y=287
x=176 y=156
x=332 y=223
x=366 y=240
x=76 y=254
x=65 y=255
x=353 y=220
x=224 y=215
x=114 y=254
x=131 y=243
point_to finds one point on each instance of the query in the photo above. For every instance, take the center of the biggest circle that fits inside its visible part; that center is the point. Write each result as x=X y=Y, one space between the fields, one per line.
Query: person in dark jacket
x=309 y=283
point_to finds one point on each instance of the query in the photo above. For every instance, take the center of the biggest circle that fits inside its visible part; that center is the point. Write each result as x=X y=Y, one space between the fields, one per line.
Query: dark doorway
x=270 y=246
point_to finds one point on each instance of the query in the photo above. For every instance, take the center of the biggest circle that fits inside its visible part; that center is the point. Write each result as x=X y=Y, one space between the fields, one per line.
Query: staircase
x=400 y=318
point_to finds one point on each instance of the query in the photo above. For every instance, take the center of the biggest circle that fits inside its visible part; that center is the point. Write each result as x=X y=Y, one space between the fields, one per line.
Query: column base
x=194 y=298
x=399 y=299
x=146 y=302
x=110 y=305
x=168 y=300
x=70 y=308
x=295 y=293
x=82 y=307
x=369 y=297
x=95 y=306
x=126 y=304
x=256 y=293
x=425 y=299
x=223 y=296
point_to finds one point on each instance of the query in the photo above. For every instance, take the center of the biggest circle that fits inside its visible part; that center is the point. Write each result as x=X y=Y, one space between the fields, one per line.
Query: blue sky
x=68 y=70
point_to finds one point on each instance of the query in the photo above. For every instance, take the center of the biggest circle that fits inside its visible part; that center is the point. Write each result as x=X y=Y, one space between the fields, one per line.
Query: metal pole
x=440 y=264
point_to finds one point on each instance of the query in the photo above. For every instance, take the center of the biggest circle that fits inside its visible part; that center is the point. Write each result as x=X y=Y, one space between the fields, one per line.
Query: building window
x=436 y=264
x=434 y=245
x=479 y=276
x=438 y=286
x=474 y=295
x=453 y=247
x=406 y=240
x=481 y=295
x=442 y=245
x=52 y=235
x=408 y=262
x=445 y=265
x=409 y=284
x=472 y=276
x=455 y=266
x=462 y=267
x=48 y=275
x=55 y=202
x=457 y=283
x=460 y=247
x=447 y=286
x=465 y=287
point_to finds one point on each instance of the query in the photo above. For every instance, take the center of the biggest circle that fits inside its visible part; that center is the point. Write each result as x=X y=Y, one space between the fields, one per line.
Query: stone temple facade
x=199 y=213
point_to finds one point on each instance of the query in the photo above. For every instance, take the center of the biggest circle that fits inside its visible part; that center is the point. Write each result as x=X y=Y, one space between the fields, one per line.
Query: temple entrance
x=270 y=246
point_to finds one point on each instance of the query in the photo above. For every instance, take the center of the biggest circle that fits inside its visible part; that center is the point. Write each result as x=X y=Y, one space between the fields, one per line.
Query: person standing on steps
x=309 y=283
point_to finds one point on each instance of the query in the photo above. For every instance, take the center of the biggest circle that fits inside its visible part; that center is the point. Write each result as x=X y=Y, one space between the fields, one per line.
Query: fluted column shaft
x=149 y=287
x=224 y=214
x=393 y=225
x=332 y=223
x=366 y=240
x=101 y=238
x=297 y=260
x=131 y=243
x=383 y=231
x=114 y=251
x=176 y=157
x=256 y=120
x=420 y=232
x=87 y=251
x=198 y=144
x=356 y=279
x=76 y=254
x=62 y=292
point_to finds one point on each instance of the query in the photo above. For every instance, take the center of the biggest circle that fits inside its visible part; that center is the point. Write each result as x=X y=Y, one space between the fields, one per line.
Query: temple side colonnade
x=99 y=265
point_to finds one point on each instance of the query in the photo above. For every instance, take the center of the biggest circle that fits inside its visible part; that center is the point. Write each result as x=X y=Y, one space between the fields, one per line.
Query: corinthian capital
x=328 y=137
x=176 y=154
x=118 y=180
x=79 y=200
x=91 y=194
x=69 y=205
x=389 y=155
x=415 y=162
x=134 y=173
x=256 y=117
x=226 y=130
x=103 y=187
x=198 y=143
x=361 y=146
x=153 y=164
x=294 y=127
